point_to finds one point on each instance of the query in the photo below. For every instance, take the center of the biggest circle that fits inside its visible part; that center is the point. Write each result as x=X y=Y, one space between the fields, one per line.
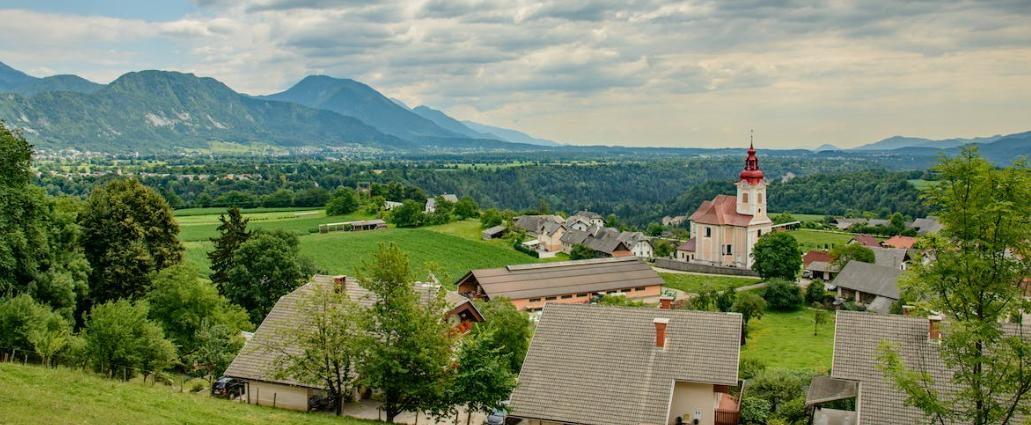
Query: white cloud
x=644 y=72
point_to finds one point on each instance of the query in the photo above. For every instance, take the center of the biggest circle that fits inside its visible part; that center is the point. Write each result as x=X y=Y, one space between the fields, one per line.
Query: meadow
x=36 y=395
x=785 y=340
x=698 y=283
x=451 y=249
x=819 y=239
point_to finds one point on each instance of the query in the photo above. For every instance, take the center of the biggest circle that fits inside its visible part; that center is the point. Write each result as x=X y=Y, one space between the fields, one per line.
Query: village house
x=685 y=251
x=531 y=224
x=638 y=244
x=605 y=365
x=856 y=375
x=531 y=286
x=254 y=364
x=726 y=229
x=604 y=241
x=899 y=241
x=865 y=240
x=816 y=264
x=928 y=225
x=870 y=285
x=431 y=203
x=550 y=235
x=585 y=219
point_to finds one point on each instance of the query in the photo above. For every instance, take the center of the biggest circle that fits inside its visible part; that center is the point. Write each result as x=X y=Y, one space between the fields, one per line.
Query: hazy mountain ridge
x=159 y=111
x=514 y=136
x=899 y=142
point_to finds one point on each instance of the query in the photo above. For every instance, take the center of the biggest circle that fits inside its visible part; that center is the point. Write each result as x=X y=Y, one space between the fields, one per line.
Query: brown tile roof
x=254 y=361
x=869 y=279
x=866 y=240
x=721 y=210
x=900 y=242
x=565 y=277
x=688 y=246
x=592 y=364
x=816 y=255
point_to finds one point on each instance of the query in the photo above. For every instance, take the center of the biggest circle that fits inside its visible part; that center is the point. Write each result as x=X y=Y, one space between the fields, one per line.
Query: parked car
x=226 y=387
x=499 y=415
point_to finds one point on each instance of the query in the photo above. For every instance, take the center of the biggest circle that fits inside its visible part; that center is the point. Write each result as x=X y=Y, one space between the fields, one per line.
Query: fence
x=684 y=266
x=176 y=381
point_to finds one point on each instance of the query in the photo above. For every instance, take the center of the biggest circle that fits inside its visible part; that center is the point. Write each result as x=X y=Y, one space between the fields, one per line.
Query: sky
x=615 y=72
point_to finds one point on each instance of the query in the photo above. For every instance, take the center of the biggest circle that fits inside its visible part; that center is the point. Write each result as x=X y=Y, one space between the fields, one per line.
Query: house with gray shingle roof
x=868 y=284
x=255 y=362
x=855 y=372
x=590 y=364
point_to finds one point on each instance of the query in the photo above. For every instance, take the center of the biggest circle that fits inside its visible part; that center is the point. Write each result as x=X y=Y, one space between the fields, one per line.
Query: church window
x=760 y=233
x=760 y=197
x=708 y=232
x=728 y=249
x=744 y=198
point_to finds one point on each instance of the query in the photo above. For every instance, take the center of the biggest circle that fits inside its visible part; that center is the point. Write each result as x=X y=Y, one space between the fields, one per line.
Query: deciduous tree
x=128 y=232
x=483 y=377
x=268 y=266
x=509 y=328
x=782 y=295
x=976 y=277
x=467 y=208
x=344 y=201
x=776 y=255
x=121 y=339
x=842 y=254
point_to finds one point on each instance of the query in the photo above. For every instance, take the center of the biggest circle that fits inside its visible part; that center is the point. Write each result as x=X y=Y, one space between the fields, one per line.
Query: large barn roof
x=565 y=277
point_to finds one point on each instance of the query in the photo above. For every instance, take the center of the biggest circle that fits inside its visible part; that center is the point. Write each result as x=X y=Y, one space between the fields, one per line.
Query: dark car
x=226 y=387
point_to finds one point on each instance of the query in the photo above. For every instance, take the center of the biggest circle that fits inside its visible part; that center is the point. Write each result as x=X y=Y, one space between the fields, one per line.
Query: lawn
x=204 y=226
x=817 y=239
x=696 y=283
x=786 y=340
x=35 y=395
x=802 y=217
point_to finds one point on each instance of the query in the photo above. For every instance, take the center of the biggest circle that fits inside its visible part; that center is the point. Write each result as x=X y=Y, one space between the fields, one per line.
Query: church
x=725 y=229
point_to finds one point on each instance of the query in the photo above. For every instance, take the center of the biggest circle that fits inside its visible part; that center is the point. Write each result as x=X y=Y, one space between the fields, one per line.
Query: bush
x=751 y=367
x=754 y=410
x=198 y=386
x=814 y=293
x=519 y=247
x=782 y=295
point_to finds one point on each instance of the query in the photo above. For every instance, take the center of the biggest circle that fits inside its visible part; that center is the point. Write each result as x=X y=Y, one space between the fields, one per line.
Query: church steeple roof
x=751 y=173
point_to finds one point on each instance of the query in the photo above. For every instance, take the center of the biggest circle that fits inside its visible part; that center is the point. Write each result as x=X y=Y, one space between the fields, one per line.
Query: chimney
x=339 y=283
x=660 y=332
x=907 y=310
x=934 y=328
x=665 y=303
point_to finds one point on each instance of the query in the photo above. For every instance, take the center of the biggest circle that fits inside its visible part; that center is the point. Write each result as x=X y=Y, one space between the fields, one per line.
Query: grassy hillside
x=786 y=340
x=817 y=239
x=697 y=283
x=34 y=395
x=456 y=248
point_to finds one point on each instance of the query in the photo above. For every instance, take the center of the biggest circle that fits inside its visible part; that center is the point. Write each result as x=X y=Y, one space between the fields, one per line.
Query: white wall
x=285 y=397
x=689 y=397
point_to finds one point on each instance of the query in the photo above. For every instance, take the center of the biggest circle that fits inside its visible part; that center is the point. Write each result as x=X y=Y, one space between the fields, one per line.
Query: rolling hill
x=72 y=83
x=11 y=78
x=159 y=111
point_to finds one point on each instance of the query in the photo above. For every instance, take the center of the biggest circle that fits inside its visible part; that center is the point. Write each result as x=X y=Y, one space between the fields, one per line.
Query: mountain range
x=161 y=111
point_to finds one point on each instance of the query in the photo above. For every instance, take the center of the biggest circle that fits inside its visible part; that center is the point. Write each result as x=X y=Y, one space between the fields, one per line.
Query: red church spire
x=751 y=173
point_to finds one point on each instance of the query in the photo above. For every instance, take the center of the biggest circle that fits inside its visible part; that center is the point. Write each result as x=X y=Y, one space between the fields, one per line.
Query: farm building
x=353 y=226
x=868 y=284
x=254 y=363
x=431 y=203
x=531 y=286
x=590 y=364
x=493 y=233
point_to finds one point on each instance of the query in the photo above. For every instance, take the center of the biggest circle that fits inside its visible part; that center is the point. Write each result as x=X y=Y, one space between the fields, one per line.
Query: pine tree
x=233 y=233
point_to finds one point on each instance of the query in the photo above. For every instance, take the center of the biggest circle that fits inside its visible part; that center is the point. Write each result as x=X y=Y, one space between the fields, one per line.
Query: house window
x=728 y=249
x=550 y=298
x=581 y=295
x=708 y=232
x=640 y=288
x=625 y=290
x=535 y=300
x=566 y=297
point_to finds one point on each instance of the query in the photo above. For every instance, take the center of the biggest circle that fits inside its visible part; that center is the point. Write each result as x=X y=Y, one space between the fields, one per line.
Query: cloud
x=605 y=71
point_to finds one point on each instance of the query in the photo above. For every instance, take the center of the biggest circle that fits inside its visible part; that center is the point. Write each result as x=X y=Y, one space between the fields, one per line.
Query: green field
x=187 y=212
x=802 y=217
x=922 y=185
x=816 y=239
x=785 y=340
x=455 y=248
x=35 y=395
x=696 y=283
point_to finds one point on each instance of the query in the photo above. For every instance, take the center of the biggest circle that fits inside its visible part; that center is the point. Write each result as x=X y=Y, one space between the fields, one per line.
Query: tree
x=976 y=277
x=490 y=218
x=782 y=295
x=128 y=232
x=664 y=248
x=483 y=377
x=819 y=317
x=776 y=255
x=619 y=301
x=411 y=345
x=217 y=346
x=31 y=326
x=612 y=221
x=120 y=338
x=581 y=252
x=268 y=266
x=509 y=328
x=654 y=229
x=750 y=305
x=409 y=214
x=181 y=303
x=232 y=233
x=783 y=218
x=842 y=254
x=814 y=293
x=375 y=204
x=344 y=201
x=326 y=349
x=467 y=208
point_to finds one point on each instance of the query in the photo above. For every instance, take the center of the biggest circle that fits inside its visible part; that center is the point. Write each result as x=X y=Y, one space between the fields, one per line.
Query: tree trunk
x=468 y=415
